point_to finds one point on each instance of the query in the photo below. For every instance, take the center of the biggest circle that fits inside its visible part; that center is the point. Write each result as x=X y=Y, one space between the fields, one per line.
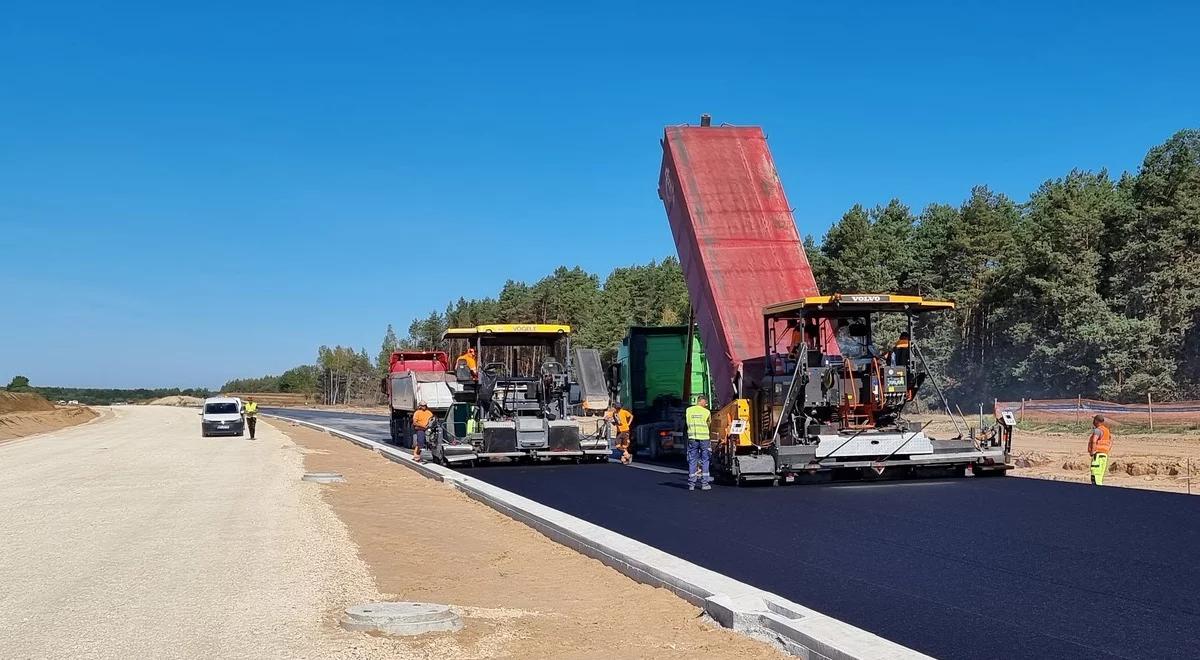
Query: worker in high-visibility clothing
x=622 y=421
x=699 y=446
x=422 y=419
x=468 y=358
x=250 y=410
x=898 y=357
x=1099 y=445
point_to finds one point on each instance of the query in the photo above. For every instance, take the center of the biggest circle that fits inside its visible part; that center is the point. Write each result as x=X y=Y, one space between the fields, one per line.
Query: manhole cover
x=402 y=618
x=323 y=477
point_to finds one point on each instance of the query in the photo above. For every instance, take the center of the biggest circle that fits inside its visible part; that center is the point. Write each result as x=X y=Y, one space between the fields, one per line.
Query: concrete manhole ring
x=323 y=477
x=402 y=618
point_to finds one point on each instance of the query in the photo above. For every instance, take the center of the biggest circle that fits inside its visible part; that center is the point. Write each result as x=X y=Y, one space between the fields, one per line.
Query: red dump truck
x=417 y=377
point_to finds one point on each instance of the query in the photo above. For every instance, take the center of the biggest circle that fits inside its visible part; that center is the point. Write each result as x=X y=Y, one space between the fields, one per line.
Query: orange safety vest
x=422 y=418
x=623 y=419
x=469 y=359
x=1102 y=444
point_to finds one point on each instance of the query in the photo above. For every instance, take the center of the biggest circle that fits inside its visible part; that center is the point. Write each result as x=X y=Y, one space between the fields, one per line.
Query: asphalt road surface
x=965 y=568
x=133 y=537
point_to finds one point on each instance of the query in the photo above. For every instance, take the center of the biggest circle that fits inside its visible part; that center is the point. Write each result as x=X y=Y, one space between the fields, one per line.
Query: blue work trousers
x=698 y=454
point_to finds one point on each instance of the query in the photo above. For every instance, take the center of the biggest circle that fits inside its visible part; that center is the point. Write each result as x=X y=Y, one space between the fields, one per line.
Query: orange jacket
x=422 y=418
x=1100 y=441
x=623 y=419
x=469 y=358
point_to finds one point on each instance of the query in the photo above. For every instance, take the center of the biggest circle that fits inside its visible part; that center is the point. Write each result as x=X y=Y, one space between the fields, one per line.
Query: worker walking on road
x=250 y=410
x=699 y=446
x=422 y=420
x=1099 y=445
x=622 y=420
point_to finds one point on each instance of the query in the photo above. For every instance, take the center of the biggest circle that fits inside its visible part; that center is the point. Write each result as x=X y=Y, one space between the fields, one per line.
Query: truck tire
x=399 y=428
x=406 y=432
x=393 y=428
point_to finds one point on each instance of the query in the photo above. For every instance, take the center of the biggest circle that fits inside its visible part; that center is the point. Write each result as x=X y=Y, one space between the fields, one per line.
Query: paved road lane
x=374 y=427
x=968 y=568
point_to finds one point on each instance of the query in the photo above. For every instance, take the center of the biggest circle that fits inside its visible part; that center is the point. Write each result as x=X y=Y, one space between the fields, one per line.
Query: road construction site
x=955 y=568
x=890 y=544
x=897 y=546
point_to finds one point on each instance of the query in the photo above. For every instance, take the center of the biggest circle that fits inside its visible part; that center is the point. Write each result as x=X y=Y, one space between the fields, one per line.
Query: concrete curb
x=760 y=614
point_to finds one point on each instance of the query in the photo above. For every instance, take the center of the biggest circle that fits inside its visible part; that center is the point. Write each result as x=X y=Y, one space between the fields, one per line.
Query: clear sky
x=195 y=191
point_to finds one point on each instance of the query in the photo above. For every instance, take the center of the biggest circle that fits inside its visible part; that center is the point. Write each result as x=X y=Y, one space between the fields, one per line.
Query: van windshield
x=221 y=408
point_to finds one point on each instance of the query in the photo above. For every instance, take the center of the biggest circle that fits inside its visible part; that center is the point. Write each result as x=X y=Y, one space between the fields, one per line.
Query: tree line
x=1090 y=287
x=650 y=294
x=101 y=396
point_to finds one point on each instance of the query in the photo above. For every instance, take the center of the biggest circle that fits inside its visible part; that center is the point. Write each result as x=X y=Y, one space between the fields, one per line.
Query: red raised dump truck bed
x=736 y=238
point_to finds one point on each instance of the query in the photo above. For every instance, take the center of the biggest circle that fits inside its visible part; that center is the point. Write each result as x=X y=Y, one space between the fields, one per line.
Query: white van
x=222 y=415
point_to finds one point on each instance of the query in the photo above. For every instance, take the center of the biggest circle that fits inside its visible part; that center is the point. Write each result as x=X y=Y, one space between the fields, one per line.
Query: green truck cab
x=658 y=378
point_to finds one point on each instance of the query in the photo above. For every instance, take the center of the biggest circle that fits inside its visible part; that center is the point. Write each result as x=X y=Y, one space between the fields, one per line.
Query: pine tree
x=390 y=343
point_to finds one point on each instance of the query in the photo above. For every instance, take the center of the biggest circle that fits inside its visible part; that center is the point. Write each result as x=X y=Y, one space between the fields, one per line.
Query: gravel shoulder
x=133 y=537
x=524 y=596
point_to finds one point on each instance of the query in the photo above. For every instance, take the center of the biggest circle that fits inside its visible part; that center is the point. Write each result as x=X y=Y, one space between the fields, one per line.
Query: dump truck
x=417 y=377
x=657 y=377
x=522 y=400
x=751 y=287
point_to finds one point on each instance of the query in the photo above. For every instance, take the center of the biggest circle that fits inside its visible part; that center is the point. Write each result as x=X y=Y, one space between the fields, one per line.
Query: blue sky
x=195 y=191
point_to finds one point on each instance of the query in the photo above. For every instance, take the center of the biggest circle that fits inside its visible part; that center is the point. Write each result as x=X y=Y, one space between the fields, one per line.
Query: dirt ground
x=22 y=424
x=524 y=595
x=23 y=402
x=26 y=414
x=176 y=400
x=1157 y=461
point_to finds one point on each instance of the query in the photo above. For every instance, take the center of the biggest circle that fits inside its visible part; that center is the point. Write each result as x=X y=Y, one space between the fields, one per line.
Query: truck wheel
x=406 y=432
x=394 y=428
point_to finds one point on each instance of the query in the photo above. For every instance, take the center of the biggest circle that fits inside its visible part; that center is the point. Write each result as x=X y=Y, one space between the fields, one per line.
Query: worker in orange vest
x=468 y=358
x=1099 y=444
x=421 y=419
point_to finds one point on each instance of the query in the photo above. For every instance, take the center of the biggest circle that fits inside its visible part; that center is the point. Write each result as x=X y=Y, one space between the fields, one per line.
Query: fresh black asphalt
x=965 y=568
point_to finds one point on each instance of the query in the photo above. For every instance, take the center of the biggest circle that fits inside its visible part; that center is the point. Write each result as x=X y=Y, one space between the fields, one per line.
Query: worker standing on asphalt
x=1099 y=444
x=699 y=446
x=622 y=420
x=422 y=419
x=250 y=410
